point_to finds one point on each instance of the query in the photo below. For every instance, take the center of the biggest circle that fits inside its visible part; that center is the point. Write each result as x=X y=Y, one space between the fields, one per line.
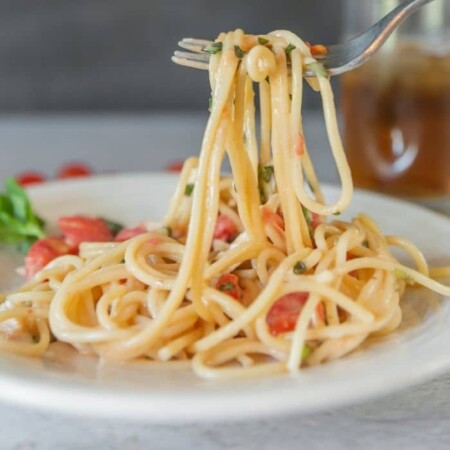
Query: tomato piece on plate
x=78 y=229
x=283 y=314
x=43 y=251
x=128 y=233
x=226 y=229
x=27 y=178
x=229 y=284
x=74 y=170
x=175 y=166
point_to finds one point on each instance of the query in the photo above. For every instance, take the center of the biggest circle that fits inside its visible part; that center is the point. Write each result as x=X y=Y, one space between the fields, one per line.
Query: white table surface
x=418 y=418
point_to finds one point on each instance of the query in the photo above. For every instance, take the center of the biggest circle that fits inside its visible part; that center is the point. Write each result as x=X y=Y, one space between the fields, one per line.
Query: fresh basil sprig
x=19 y=225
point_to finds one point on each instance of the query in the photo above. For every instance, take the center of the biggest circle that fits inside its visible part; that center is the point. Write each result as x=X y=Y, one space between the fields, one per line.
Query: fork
x=339 y=58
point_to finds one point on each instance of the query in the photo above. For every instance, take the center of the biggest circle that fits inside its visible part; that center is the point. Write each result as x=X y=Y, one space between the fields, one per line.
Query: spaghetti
x=245 y=277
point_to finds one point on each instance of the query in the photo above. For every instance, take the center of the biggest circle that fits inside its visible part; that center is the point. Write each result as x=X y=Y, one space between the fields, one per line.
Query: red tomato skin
x=128 y=233
x=28 y=178
x=175 y=166
x=78 y=229
x=283 y=314
x=74 y=170
x=225 y=229
x=44 y=251
x=272 y=218
x=231 y=280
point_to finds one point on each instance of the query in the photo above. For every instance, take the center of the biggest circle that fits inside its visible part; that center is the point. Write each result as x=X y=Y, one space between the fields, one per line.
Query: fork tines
x=195 y=57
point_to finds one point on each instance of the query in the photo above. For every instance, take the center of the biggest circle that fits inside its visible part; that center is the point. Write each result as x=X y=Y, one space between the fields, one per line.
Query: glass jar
x=396 y=107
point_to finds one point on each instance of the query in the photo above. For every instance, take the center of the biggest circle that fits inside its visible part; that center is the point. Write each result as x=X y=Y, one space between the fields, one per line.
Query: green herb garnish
x=227 y=286
x=267 y=173
x=318 y=69
x=337 y=213
x=400 y=274
x=262 y=40
x=267 y=79
x=308 y=215
x=189 y=189
x=239 y=52
x=299 y=268
x=114 y=227
x=19 y=225
x=213 y=48
x=289 y=49
x=365 y=243
x=306 y=351
x=210 y=103
x=35 y=338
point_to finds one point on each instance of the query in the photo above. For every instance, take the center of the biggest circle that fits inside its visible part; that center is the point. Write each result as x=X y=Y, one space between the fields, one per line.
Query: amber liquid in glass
x=397 y=122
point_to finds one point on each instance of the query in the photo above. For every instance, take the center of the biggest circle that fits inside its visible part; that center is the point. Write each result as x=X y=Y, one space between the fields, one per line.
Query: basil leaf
x=213 y=48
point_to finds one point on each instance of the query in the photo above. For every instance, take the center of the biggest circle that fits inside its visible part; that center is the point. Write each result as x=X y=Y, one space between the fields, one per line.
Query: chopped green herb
x=262 y=40
x=307 y=214
x=306 y=351
x=299 y=268
x=213 y=48
x=318 y=69
x=400 y=274
x=35 y=338
x=188 y=189
x=365 y=243
x=267 y=79
x=289 y=49
x=210 y=103
x=19 y=225
x=267 y=173
x=337 y=213
x=114 y=227
x=227 y=286
x=238 y=51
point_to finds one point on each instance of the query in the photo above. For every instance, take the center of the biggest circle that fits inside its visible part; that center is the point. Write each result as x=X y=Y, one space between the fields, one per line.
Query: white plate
x=70 y=383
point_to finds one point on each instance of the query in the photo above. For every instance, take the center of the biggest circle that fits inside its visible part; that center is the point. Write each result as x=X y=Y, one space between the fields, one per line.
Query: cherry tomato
x=175 y=166
x=272 y=218
x=283 y=314
x=128 y=233
x=43 y=251
x=27 y=178
x=225 y=229
x=229 y=284
x=74 y=170
x=317 y=49
x=78 y=229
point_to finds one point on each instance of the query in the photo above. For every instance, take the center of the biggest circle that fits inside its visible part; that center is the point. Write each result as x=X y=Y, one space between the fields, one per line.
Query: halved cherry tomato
x=175 y=166
x=229 y=284
x=283 y=314
x=74 y=170
x=316 y=219
x=272 y=218
x=128 y=233
x=300 y=147
x=317 y=49
x=78 y=229
x=27 y=178
x=43 y=251
x=225 y=229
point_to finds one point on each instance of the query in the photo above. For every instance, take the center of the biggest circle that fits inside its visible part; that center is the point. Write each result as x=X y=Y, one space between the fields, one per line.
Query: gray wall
x=93 y=55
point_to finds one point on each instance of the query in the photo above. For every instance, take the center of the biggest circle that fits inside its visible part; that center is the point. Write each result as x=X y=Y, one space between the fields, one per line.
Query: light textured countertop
x=417 y=418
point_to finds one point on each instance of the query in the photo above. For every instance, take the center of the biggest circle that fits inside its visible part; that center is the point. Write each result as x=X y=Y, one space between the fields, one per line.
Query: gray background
x=114 y=55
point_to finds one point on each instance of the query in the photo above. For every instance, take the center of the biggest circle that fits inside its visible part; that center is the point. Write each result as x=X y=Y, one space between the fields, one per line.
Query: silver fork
x=339 y=58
